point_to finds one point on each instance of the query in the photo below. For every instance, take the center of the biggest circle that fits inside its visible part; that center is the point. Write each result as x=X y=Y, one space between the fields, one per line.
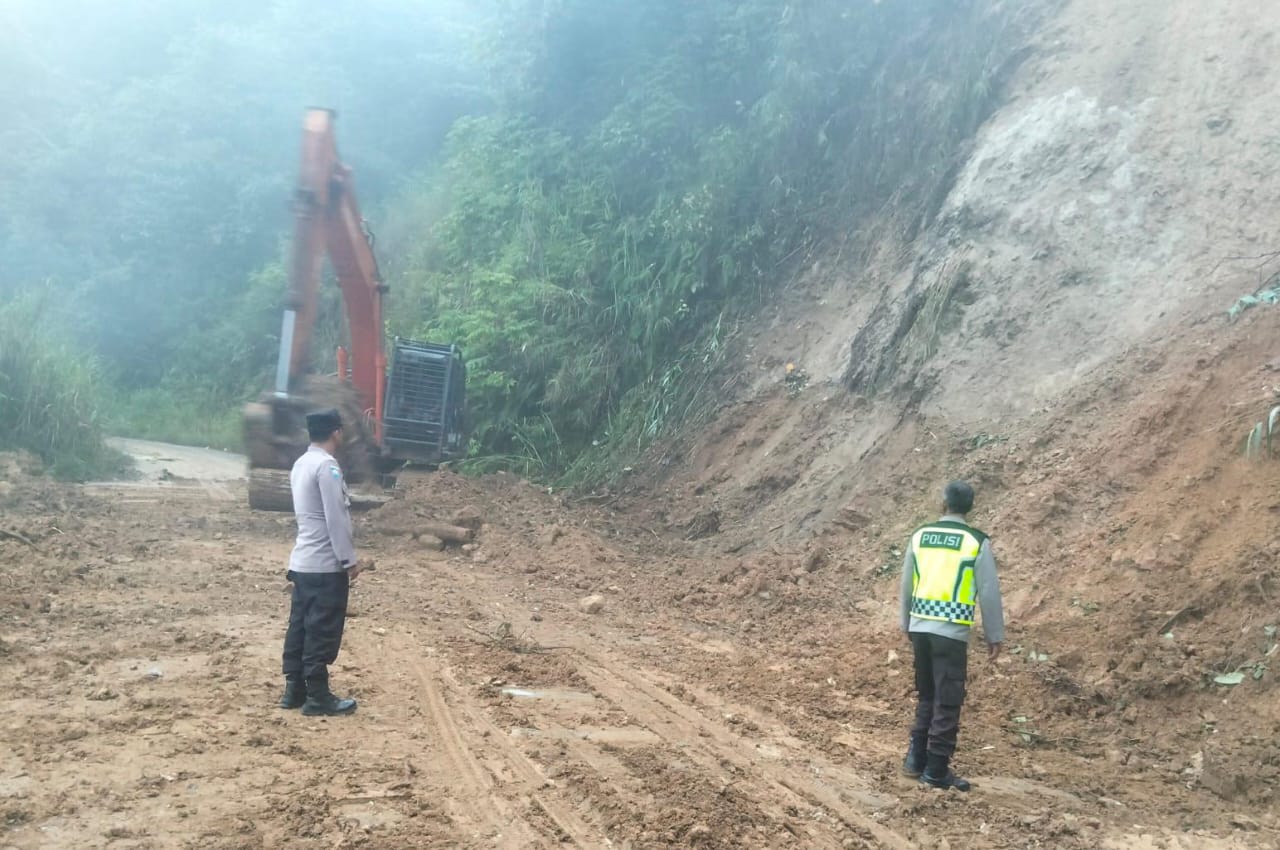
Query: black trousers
x=316 y=617
x=941 y=669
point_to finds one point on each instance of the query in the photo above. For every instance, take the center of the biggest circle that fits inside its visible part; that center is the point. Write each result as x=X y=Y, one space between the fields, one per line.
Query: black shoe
x=938 y=774
x=913 y=765
x=295 y=693
x=322 y=702
x=948 y=780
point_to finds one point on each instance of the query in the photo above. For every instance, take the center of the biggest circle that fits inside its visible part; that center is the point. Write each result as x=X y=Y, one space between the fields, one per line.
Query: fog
x=151 y=145
x=586 y=195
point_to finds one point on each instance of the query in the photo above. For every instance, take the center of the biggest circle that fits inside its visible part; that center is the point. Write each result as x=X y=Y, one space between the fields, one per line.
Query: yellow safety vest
x=943 y=586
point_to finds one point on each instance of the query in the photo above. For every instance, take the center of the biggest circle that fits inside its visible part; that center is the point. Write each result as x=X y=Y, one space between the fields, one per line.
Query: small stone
x=1148 y=557
x=468 y=517
x=536 y=617
x=592 y=604
x=1240 y=821
x=699 y=832
x=816 y=560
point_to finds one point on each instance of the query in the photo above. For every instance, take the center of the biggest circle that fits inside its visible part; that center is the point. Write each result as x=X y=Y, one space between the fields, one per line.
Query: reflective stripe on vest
x=943 y=586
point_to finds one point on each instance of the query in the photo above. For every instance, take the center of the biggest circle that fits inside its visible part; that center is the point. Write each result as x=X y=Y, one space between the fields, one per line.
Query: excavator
x=408 y=408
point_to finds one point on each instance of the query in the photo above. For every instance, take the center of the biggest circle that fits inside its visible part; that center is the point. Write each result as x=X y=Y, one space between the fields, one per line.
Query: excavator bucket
x=275 y=435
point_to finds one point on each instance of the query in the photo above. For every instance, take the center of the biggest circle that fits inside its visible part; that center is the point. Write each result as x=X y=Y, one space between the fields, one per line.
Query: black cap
x=958 y=496
x=322 y=423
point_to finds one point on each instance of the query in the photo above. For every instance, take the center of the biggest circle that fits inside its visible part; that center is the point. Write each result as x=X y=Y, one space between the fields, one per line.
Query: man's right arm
x=908 y=585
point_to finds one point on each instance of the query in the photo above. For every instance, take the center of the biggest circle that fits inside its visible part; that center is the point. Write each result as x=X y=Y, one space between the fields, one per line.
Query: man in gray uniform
x=947 y=574
x=321 y=568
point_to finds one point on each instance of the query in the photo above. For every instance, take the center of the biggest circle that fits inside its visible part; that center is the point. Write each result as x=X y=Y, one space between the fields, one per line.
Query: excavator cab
x=423 y=415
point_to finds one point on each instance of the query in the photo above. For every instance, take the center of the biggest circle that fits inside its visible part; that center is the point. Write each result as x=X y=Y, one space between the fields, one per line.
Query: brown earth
x=754 y=698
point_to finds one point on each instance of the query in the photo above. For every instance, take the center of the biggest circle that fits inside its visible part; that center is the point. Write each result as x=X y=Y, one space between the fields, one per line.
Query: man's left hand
x=353 y=572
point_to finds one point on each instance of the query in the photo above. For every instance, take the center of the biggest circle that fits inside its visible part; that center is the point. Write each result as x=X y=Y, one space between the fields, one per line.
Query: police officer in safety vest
x=947 y=574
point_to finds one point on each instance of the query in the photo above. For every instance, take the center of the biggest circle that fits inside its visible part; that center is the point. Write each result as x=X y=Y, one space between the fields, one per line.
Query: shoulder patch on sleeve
x=335 y=472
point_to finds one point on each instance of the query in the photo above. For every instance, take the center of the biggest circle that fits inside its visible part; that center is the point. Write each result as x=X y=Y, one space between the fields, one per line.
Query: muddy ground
x=734 y=700
x=744 y=683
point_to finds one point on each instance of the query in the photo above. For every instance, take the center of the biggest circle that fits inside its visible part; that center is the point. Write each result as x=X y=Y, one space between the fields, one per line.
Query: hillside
x=1060 y=337
x=1115 y=202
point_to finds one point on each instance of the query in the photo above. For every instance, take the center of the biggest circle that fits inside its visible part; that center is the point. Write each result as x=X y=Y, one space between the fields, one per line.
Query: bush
x=175 y=413
x=49 y=394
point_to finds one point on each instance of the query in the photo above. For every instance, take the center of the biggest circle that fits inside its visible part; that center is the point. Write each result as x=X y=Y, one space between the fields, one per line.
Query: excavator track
x=269 y=490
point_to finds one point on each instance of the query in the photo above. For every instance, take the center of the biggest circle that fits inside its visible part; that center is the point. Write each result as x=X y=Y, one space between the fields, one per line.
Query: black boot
x=938 y=774
x=295 y=692
x=321 y=700
x=913 y=764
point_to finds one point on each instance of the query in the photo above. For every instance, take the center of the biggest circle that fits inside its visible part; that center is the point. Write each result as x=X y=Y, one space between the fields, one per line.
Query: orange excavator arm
x=327 y=221
x=423 y=388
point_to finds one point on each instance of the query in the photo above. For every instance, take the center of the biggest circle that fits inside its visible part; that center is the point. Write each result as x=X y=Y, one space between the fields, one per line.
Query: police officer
x=947 y=573
x=321 y=568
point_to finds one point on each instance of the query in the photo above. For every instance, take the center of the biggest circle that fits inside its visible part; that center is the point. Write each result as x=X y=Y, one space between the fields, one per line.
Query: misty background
x=588 y=196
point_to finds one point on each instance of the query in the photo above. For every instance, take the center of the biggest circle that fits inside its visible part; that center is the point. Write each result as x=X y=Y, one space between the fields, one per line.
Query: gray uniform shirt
x=987 y=584
x=323 y=511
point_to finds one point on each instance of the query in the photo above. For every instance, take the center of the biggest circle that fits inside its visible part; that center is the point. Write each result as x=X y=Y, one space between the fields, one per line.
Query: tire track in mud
x=564 y=817
x=775 y=788
x=480 y=792
x=773 y=785
x=475 y=804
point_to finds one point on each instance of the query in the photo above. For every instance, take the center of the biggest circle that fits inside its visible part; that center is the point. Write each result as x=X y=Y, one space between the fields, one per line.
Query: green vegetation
x=1261 y=439
x=587 y=195
x=48 y=395
x=653 y=169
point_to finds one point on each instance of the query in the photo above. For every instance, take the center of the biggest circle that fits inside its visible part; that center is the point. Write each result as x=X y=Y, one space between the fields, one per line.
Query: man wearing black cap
x=321 y=568
x=948 y=574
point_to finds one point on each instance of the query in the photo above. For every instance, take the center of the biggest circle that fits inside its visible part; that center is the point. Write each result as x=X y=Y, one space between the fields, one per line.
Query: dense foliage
x=48 y=394
x=630 y=180
x=652 y=169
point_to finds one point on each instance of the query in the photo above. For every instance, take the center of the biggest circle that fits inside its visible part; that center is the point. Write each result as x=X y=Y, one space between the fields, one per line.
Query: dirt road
x=141 y=635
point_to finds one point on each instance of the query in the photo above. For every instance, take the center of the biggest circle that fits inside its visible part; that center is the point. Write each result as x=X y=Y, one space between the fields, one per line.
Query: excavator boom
x=327 y=220
x=426 y=386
